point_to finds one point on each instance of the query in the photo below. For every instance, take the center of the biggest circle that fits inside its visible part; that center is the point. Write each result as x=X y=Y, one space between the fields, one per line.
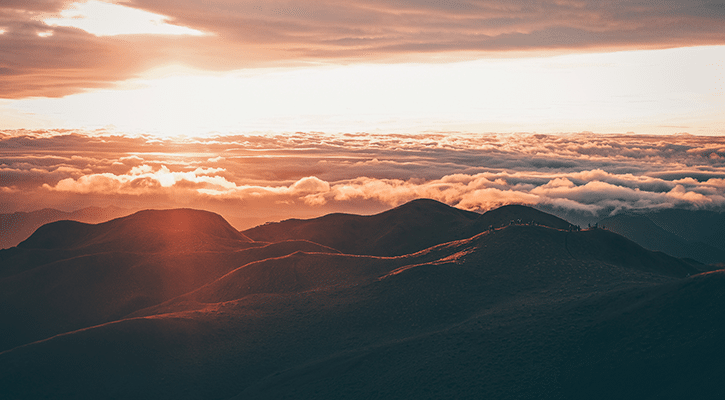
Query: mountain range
x=16 y=227
x=695 y=234
x=421 y=301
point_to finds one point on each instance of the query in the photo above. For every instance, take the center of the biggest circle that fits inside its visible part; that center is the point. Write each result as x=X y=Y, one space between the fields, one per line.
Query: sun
x=108 y=19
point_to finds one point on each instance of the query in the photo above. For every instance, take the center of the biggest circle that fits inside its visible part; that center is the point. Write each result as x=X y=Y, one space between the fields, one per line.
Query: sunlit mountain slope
x=525 y=310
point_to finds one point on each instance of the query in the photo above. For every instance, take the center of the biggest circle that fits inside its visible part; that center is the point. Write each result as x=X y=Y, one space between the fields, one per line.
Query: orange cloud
x=202 y=182
x=252 y=33
x=311 y=174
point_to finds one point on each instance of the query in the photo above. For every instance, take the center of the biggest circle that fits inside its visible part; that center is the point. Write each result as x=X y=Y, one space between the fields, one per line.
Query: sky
x=266 y=110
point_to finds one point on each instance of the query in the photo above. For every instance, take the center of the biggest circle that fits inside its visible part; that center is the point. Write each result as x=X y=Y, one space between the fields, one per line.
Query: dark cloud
x=253 y=33
x=370 y=26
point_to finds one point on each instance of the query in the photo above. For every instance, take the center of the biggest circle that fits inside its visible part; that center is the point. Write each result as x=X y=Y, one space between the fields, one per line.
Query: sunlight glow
x=45 y=34
x=105 y=19
x=661 y=91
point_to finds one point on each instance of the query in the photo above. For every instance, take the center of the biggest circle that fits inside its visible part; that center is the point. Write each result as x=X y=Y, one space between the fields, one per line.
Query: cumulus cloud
x=146 y=181
x=141 y=180
x=304 y=174
x=485 y=191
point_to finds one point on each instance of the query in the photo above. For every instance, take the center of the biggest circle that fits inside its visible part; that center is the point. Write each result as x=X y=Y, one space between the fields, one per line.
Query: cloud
x=486 y=191
x=199 y=184
x=479 y=192
x=307 y=174
x=252 y=33
x=143 y=180
x=309 y=185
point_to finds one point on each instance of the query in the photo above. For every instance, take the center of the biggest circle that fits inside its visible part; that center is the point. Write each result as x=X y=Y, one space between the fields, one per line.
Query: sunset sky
x=264 y=110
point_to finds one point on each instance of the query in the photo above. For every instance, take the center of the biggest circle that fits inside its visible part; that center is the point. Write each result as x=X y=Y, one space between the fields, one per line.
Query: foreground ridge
x=513 y=303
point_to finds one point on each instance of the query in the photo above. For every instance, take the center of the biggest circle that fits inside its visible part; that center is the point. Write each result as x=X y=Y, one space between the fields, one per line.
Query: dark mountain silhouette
x=666 y=345
x=69 y=275
x=145 y=231
x=517 y=214
x=680 y=233
x=693 y=225
x=519 y=311
x=16 y=227
x=513 y=250
x=411 y=227
x=405 y=229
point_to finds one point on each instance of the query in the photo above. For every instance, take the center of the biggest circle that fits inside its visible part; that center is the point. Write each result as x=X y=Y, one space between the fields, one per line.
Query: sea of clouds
x=257 y=177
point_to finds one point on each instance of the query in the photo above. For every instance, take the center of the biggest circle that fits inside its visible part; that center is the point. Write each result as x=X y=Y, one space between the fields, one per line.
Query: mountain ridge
x=527 y=306
x=698 y=236
x=160 y=228
x=18 y=226
x=402 y=230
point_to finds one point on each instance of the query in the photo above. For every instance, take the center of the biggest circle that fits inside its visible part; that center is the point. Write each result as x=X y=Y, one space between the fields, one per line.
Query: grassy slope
x=505 y=314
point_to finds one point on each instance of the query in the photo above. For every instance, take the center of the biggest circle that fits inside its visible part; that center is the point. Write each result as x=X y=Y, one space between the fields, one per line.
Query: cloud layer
x=264 y=177
x=37 y=59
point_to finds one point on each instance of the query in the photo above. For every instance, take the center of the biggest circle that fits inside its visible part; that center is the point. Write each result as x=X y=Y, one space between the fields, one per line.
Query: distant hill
x=149 y=230
x=408 y=228
x=517 y=215
x=175 y=305
x=405 y=229
x=507 y=250
x=699 y=235
x=18 y=226
x=693 y=225
x=69 y=275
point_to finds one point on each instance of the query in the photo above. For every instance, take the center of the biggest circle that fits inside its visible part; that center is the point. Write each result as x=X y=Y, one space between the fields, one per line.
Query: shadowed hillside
x=403 y=230
x=149 y=231
x=679 y=233
x=548 y=258
x=16 y=227
x=520 y=311
x=70 y=275
x=517 y=214
x=145 y=231
x=666 y=345
x=693 y=225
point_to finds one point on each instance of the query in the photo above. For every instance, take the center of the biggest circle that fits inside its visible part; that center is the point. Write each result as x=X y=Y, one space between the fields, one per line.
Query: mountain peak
x=519 y=214
x=405 y=229
x=184 y=219
x=147 y=230
x=423 y=203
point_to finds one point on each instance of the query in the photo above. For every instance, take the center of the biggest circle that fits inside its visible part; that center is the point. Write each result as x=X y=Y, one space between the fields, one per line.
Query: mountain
x=522 y=310
x=666 y=345
x=150 y=230
x=69 y=275
x=512 y=250
x=517 y=214
x=142 y=232
x=16 y=227
x=693 y=225
x=698 y=235
x=408 y=228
